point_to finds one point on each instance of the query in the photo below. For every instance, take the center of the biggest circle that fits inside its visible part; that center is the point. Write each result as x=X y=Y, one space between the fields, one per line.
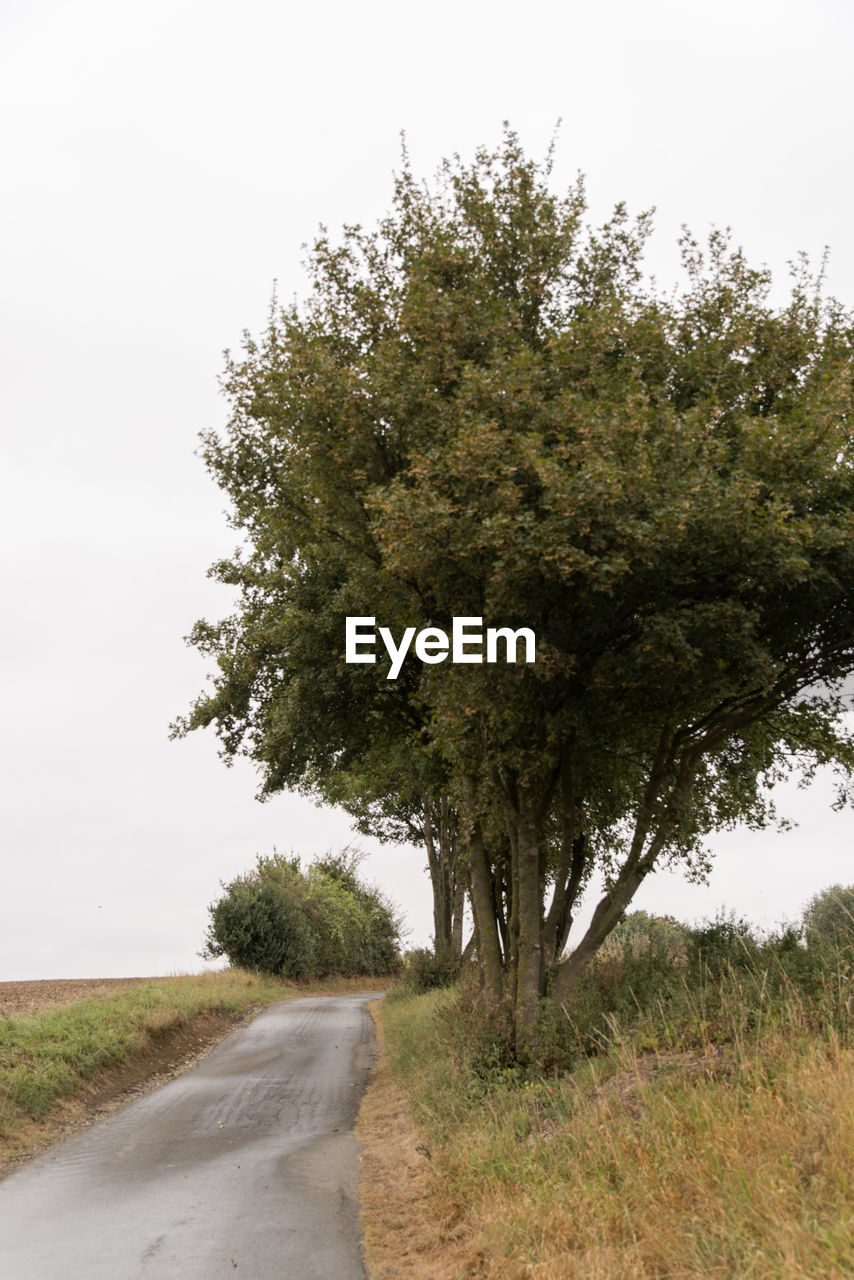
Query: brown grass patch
x=406 y=1235
x=713 y=1162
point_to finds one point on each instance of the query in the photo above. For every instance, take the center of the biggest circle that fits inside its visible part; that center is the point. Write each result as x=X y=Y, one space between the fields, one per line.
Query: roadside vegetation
x=280 y=920
x=688 y=1113
x=55 y=1061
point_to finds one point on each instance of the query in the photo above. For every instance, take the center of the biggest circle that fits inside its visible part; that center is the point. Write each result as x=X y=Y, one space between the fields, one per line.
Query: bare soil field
x=26 y=997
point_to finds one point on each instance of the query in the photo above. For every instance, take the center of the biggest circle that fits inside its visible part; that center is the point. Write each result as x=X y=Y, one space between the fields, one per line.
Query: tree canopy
x=484 y=409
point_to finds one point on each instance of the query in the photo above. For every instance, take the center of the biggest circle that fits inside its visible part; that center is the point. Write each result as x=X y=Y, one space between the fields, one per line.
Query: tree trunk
x=458 y=911
x=511 y=928
x=454 y=879
x=529 y=942
x=489 y=948
x=572 y=866
x=611 y=907
x=439 y=878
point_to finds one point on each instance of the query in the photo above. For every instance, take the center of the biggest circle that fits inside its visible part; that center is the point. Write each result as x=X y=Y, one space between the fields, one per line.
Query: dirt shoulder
x=406 y=1236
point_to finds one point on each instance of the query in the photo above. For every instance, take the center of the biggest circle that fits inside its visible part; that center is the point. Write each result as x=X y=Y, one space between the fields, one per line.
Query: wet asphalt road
x=245 y=1166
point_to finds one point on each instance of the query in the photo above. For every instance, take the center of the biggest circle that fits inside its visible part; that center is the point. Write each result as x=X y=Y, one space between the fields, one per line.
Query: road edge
x=404 y=1233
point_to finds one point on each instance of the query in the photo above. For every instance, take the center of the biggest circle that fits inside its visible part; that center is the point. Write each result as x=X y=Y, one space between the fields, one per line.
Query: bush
x=427 y=970
x=337 y=919
x=724 y=943
x=261 y=924
x=279 y=920
x=644 y=946
x=639 y=933
x=373 y=923
x=829 y=916
x=662 y=987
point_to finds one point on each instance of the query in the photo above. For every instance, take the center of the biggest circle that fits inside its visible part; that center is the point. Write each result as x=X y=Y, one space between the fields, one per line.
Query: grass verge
x=57 y=1062
x=720 y=1149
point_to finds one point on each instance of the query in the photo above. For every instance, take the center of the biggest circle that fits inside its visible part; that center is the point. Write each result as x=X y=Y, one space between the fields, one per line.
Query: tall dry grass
x=706 y=1135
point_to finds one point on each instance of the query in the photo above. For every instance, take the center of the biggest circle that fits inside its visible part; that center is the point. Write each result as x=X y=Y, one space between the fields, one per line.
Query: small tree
x=829 y=915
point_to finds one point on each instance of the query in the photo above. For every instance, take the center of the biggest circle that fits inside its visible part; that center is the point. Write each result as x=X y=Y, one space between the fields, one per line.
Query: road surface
x=245 y=1165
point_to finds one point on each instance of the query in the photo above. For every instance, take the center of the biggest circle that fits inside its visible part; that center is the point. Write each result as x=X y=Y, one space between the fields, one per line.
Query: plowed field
x=26 y=997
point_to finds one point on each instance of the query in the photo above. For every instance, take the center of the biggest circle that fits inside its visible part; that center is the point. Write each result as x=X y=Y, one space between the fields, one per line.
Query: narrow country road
x=245 y=1166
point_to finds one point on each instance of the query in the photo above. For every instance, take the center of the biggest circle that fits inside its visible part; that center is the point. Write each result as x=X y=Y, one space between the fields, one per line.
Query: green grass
x=708 y=1135
x=51 y=1056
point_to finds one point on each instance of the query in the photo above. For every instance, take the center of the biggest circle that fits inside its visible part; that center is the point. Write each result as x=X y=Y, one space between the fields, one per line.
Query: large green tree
x=483 y=410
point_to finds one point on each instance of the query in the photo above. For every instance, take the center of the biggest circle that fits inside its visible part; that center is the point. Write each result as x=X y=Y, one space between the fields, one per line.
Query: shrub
x=338 y=922
x=829 y=915
x=726 y=942
x=279 y=920
x=640 y=933
x=367 y=910
x=427 y=970
x=260 y=924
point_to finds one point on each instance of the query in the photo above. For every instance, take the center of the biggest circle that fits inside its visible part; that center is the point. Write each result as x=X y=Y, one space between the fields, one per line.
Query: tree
x=484 y=411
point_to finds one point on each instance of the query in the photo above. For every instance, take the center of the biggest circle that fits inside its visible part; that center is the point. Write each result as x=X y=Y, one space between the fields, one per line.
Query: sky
x=161 y=165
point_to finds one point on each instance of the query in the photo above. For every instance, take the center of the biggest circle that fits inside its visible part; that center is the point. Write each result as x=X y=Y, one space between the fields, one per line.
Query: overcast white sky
x=161 y=165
